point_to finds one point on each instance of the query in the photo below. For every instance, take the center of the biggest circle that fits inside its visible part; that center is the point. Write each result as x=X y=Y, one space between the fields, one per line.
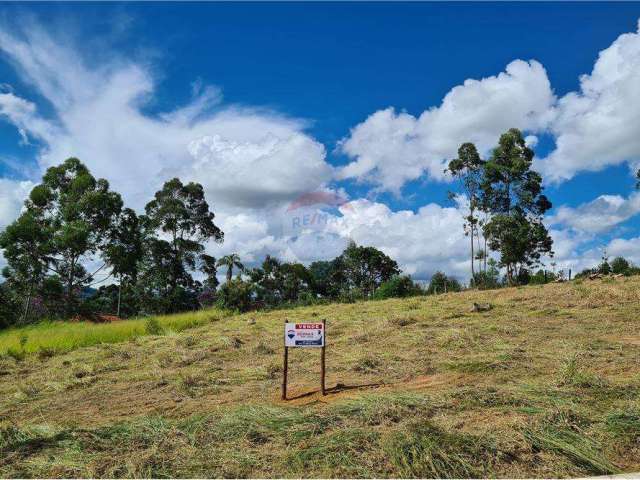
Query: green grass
x=60 y=336
x=578 y=448
x=625 y=424
x=427 y=451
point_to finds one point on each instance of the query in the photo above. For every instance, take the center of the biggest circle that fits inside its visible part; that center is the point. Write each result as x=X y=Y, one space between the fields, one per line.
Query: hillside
x=546 y=384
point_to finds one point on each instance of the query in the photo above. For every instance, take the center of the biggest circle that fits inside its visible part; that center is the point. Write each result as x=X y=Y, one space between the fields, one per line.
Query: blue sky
x=264 y=102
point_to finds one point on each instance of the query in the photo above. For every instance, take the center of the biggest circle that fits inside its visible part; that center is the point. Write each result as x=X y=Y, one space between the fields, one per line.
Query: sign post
x=322 y=387
x=285 y=368
x=304 y=335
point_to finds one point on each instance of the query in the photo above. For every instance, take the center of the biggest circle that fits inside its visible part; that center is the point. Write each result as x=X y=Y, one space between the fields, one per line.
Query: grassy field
x=50 y=338
x=546 y=384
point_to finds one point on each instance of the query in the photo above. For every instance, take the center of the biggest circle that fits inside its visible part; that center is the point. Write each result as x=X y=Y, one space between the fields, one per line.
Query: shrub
x=620 y=265
x=236 y=295
x=398 y=286
x=440 y=283
x=152 y=326
x=16 y=354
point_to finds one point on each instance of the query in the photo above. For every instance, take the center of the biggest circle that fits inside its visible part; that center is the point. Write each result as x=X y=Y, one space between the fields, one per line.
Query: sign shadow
x=338 y=388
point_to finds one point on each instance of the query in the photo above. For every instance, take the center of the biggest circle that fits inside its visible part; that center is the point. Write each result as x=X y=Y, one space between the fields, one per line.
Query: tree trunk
x=119 y=296
x=510 y=275
x=229 y=273
x=72 y=267
x=27 y=304
x=485 y=254
x=473 y=273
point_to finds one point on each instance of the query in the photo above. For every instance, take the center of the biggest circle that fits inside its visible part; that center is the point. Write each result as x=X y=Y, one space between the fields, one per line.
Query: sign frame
x=304 y=334
x=321 y=345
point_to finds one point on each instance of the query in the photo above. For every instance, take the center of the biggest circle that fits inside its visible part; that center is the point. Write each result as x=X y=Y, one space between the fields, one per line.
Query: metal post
x=322 y=355
x=285 y=370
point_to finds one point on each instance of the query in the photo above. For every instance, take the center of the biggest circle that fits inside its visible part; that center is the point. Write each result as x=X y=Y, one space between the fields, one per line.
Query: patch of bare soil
x=298 y=395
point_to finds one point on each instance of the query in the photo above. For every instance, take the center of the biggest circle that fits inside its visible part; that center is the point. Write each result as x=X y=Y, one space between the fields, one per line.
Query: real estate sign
x=304 y=335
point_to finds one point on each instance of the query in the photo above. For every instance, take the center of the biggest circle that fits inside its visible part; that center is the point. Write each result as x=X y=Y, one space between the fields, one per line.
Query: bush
x=440 y=283
x=620 y=265
x=236 y=295
x=398 y=286
x=152 y=326
x=545 y=276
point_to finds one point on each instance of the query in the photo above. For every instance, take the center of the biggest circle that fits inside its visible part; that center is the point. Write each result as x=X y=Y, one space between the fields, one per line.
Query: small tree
x=328 y=277
x=441 y=283
x=365 y=268
x=8 y=306
x=604 y=268
x=399 y=286
x=620 y=265
x=236 y=294
x=25 y=245
x=124 y=252
x=231 y=261
x=467 y=168
x=209 y=267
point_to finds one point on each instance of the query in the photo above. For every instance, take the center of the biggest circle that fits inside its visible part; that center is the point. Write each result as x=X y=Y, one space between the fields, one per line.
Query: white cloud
x=599 y=126
x=628 y=248
x=99 y=116
x=599 y=215
x=422 y=242
x=12 y=196
x=593 y=128
x=391 y=148
x=273 y=169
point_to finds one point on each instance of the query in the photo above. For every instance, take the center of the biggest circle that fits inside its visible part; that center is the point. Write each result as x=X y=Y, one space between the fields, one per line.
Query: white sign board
x=303 y=335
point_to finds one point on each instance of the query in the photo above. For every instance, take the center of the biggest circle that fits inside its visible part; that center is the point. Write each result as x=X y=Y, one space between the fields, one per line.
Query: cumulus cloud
x=599 y=215
x=422 y=242
x=593 y=128
x=599 y=126
x=391 y=148
x=628 y=248
x=244 y=156
x=273 y=169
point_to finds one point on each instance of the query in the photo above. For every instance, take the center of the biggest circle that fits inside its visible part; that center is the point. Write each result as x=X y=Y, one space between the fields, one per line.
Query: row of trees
x=146 y=263
x=358 y=273
x=75 y=233
x=73 y=221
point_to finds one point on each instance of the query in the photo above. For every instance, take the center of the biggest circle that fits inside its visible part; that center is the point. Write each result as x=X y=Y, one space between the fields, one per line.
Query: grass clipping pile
x=543 y=384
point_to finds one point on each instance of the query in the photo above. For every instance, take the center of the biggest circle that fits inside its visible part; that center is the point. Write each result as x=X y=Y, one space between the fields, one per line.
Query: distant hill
x=545 y=384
